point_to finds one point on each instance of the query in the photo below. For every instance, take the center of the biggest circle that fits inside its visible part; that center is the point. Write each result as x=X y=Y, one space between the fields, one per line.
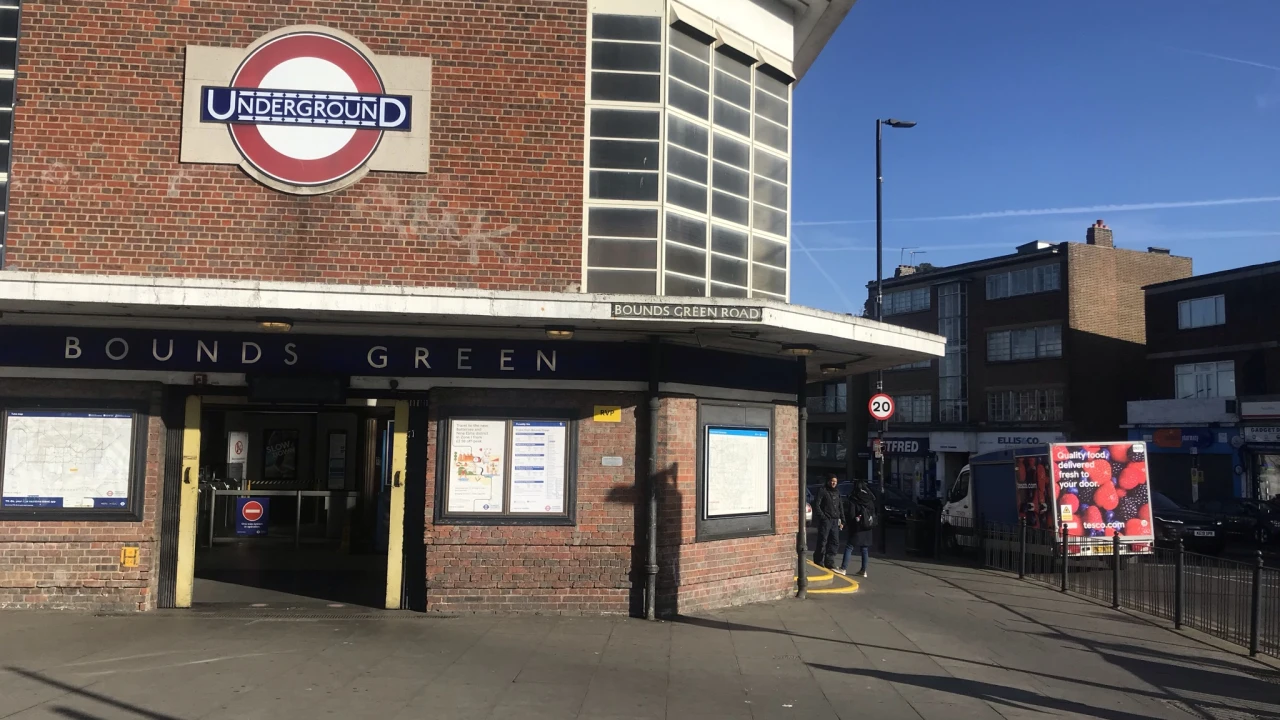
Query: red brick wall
x=97 y=187
x=585 y=568
x=77 y=564
x=696 y=576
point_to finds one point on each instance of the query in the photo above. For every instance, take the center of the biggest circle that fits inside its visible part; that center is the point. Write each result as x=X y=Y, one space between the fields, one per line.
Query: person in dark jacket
x=860 y=517
x=829 y=512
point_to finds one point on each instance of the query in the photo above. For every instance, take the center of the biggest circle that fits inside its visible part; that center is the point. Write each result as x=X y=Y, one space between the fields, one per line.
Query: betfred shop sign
x=906 y=446
x=306 y=110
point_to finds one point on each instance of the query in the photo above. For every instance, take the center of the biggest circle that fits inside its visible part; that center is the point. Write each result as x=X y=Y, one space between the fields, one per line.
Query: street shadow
x=1169 y=672
x=1198 y=676
x=88 y=694
x=989 y=692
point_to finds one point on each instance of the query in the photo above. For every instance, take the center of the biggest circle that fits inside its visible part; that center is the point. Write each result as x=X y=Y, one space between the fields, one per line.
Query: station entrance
x=294 y=505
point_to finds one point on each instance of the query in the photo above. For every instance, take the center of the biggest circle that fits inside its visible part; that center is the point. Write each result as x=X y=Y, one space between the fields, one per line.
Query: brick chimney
x=1099 y=234
x=904 y=270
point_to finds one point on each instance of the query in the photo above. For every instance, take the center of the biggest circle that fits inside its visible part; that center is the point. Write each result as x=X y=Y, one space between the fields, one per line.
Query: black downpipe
x=802 y=537
x=651 y=564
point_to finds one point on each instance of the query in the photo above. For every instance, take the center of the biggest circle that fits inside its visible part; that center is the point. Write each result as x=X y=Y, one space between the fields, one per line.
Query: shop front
x=1261 y=457
x=1195 y=463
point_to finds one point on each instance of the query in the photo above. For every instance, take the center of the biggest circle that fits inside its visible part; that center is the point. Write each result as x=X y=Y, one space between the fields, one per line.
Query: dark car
x=897 y=507
x=1199 y=532
x=1248 y=519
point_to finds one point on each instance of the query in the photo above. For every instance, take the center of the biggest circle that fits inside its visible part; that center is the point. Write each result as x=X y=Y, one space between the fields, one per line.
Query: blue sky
x=1036 y=118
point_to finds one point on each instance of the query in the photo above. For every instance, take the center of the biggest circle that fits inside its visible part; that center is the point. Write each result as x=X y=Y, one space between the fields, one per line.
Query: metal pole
x=879 y=309
x=1064 y=557
x=802 y=533
x=651 y=561
x=297 y=522
x=1115 y=571
x=1255 y=618
x=879 y=316
x=1179 y=567
x=1022 y=548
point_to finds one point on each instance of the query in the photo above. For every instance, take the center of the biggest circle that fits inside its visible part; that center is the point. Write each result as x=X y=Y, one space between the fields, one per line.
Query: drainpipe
x=651 y=564
x=802 y=538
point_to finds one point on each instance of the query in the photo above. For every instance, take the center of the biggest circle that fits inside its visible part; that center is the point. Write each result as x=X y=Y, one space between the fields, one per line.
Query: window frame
x=1034 y=279
x=1023 y=405
x=1187 y=312
x=445 y=416
x=133 y=511
x=910 y=299
x=1197 y=370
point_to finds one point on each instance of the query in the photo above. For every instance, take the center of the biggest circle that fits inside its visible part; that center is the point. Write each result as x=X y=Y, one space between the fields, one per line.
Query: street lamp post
x=884 y=424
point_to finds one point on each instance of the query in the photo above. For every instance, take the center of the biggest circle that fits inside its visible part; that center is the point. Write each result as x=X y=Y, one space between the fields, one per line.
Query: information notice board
x=477 y=465
x=737 y=472
x=67 y=459
x=538 y=466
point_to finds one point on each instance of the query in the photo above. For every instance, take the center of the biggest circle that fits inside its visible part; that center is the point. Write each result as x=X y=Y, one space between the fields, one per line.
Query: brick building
x=1043 y=344
x=406 y=306
x=1209 y=405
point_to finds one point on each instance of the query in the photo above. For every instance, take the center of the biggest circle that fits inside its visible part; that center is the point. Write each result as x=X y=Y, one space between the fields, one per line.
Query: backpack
x=868 y=513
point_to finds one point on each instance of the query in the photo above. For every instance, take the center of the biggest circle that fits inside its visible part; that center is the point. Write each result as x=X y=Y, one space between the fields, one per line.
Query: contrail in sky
x=1186 y=236
x=1225 y=58
x=1087 y=210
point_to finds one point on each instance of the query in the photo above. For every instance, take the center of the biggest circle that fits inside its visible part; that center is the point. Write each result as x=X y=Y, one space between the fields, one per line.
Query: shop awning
x=843 y=343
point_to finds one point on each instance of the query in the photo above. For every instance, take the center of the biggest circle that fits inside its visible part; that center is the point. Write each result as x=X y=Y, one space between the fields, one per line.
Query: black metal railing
x=1235 y=601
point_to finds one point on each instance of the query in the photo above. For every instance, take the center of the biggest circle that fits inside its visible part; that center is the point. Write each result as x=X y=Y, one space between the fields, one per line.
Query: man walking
x=830 y=514
x=860 y=516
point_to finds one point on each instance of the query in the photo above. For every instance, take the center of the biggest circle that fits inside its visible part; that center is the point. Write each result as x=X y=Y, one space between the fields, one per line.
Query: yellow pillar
x=188 y=509
x=395 y=529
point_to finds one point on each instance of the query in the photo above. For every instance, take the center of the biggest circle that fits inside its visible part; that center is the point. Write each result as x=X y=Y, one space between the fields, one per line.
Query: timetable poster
x=538 y=466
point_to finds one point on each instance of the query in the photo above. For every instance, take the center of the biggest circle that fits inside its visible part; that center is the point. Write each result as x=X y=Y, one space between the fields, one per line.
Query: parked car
x=897 y=507
x=1199 y=532
x=1248 y=519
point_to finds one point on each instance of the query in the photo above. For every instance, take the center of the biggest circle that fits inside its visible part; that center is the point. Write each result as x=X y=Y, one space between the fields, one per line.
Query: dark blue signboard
x=252 y=515
x=295 y=355
x=263 y=106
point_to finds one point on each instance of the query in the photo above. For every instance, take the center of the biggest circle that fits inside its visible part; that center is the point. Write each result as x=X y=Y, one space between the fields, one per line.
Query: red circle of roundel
x=290 y=170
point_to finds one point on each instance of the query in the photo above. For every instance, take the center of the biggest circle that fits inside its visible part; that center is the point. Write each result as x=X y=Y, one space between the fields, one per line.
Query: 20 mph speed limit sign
x=881 y=406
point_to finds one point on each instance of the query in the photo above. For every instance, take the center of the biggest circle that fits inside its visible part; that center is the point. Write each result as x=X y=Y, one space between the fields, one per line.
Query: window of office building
x=1024 y=343
x=923 y=364
x=913 y=409
x=726 y=230
x=1202 y=312
x=9 y=17
x=906 y=301
x=1025 y=405
x=953 y=372
x=624 y=123
x=1206 y=380
x=1024 y=281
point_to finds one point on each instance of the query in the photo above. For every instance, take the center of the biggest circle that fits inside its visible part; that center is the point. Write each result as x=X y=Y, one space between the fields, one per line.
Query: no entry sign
x=251 y=516
x=881 y=406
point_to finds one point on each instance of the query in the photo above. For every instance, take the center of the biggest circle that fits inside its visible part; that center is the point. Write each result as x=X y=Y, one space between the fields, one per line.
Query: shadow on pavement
x=988 y=692
x=89 y=694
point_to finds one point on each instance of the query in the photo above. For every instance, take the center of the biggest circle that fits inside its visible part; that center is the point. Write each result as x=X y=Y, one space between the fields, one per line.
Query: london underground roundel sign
x=306 y=109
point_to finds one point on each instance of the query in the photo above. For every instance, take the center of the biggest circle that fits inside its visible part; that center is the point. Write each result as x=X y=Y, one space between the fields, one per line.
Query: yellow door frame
x=395 y=524
x=189 y=487
x=188 y=508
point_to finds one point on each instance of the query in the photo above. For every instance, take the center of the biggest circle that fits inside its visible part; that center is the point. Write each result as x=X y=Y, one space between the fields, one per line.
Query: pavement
x=917 y=640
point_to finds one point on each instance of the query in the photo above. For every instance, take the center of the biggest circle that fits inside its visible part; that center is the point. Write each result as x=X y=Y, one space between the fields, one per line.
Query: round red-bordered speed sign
x=881 y=406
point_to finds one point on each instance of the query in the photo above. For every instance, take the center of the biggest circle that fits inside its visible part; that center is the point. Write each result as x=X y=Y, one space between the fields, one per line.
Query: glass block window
x=10 y=13
x=725 y=207
x=624 y=154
